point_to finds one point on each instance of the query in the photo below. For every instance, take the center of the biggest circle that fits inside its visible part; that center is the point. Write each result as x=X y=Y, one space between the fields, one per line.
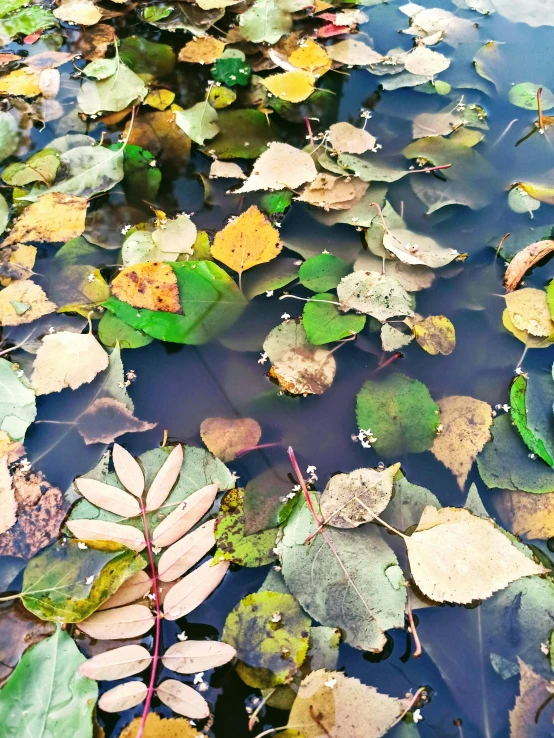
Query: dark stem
x=539 y=106
x=394 y=357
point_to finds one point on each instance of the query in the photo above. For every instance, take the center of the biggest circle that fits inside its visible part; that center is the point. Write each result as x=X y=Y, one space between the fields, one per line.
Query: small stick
x=383 y=221
x=501 y=242
x=255 y=448
x=394 y=357
x=302 y=483
x=429 y=169
x=539 y=106
x=309 y=127
x=418 y=650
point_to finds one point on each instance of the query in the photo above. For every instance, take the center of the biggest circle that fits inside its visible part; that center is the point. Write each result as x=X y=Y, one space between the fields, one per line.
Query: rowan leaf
x=182 y=699
x=123 y=697
x=193 y=589
x=184 y=516
x=122 y=622
x=182 y=555
x=194 y=656
x=117 y=663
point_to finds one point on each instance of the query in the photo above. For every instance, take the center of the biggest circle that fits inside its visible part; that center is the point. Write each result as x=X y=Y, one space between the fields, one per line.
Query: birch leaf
x=354 y=53
x=112 y=94
x=128 y=470
x=426 y=63
x=226 y=437
x=151 y=285
x=118 y=663
x=191 y=657
x=281 y=166
x=106 y=419
x=293 y=87
x=192 y=590
x=108 y=497
x=414 y=248
x=164 y=480
x=374 y=294
x=528 y=310
x=347 y=497
x=67 y=359
x=458 y=557
x=54 y=217
x=187 y=514
x=23 y=301
x=83 y=12
x=346 y=138
x=344 y=705
x=247 y=241
x=123 y=622
x=436 y=335
x=102 y=530
x=182 y=699
x=265 y=21
x=159 y=727
x=466 y=424
x=198 y=122
x=123 y=697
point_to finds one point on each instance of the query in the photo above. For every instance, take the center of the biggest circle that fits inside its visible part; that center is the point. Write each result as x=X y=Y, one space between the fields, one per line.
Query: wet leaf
x=323 y=272
x=152 y=285
x=528 y=310
x=268 y=20
x=466 y=424
x=54 y=217
x=117 y=663
x=83 y=12
x=528 y=516
x=324 y=323
x=106 y=419
x=292 y=87
x=23 y=301
x=108 y=497
x=400 y=413
x=226 y=170
x=182 y=699
x=184 y=516
x=436 y=335
x=531 y=400
x=165 y=479
x=346 y=138
x=192 y=590
x=524 y=95
x=102 y=530
x=132 y=590
x=268 y=499
x=50 y=668
x=122 y=622
x=18 y=404
x=66 y=583
x=270 y=276
x=112 y=330
x=231 y=72
x=526 y=719
x=247 y=241
x=235 y=126
x=374 y=294
x=525 y=260
x=202 y=50
x=198 y=122
x=159 y=727
x=67 y=359
x=123 y=697
x=150 y=60
x=353 y=52
x=90 y=170
x=225 y=438
x=8 y=505
x=185 y=553
x=270 y=633
x=233 y=544
x=414 y=248
x=281 y=166
x=193 y=656
x=426 y=63
x=112 y=94
x=393 y=339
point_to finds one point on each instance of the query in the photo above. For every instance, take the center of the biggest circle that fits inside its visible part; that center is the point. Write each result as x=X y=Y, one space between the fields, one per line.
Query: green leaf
x=69 y=580
x=112 y=94
x=79 y=251
x=46 y=695
x=323 y=272
x=231 y=72
x=18 y=406
x=531 y=411
x=210 y=299
x=9 y=135
x=101 y=68
x=149 y=59
x=8 y=6
x=365 y=605
x=112 y=330
x=40 y=167
x=324 y=322
x=232 y=543
x=199 y=122
x=271 y=276
x=199 y=469
x=90 y=170
x=265 y=21
x=270 y=633
x=276 y=202
x=268 y=500
x=524 y=95
x=505 y=462
x=142 y=178
x=27 y=21
x=4 y=214
x=401 y=414
x=244 y=134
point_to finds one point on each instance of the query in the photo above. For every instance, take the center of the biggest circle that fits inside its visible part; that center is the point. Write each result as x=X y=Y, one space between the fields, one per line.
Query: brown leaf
x=191 y=591
x=92 y=43
x=159 y=133
x=19 y=630
x=527 y=720
x=524 y=260
x=123 y=622
x=183 y=699
x=55 y=217
x=159 y=727
x=40 y=512
x=8 y=505
x=67 y=359
x=182 y=555
x=202 y=50
x=151 y=285
x=106 y=419
x=527 y=515
x=23 y=302
x=226 y=437
x=187 y=514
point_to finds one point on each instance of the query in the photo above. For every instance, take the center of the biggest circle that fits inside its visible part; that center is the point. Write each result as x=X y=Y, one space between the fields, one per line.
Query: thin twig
x=501 y=242
x=539 y=108
x=418 y=650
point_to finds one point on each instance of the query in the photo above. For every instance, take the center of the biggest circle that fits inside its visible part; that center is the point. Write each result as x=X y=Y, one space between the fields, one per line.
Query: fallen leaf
x=67 y=359
x=182 y=518
x=132 y=590
x=374 y=294
x=294 y=87
x=191 y=657
x=83 y=12
x=165 y=479
x=525 y=260
x=436 y=335
x=426 y=63
x=54 y=217
x=106 y=418
x=20 y=82
x=185 y=553
x=123 y=622
x=281 y=166
x=123 y=697
x=151 y=285
x=344 y=706
x=23 y=301
x=117 y=663
x=160 y=134
x=108 y=497
x=175 y=235
x=113 y=94
x=202 y=50
x=128 y=470
x=198 y=122
x=20 y=630
x=346 y=138
x=158 y=727
x=528 y=719
x=528 y=310
x=226 y=170
x=8 y=505
x=458 y=557
x=182 y=699
x=225 y=438
x=333 y=193
x=353 y=53
x=531 y=402
x=17 y=403
x=466 y=424
x=417 y=249
x=247 y=241
x=102 y=530
x=393 y=339
x=311 y=57
x=192 y=590
x=527 y=515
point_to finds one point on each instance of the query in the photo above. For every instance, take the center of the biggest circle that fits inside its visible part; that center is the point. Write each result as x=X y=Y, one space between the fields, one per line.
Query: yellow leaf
x=203 y=50
x=312 y=58
x=16 y=262
x=526 y=515
x=436 y=335
x=465 y=430
x=160 y=99
x=159 y=727
x=151 y=285
x=528 y=310
x=22 y=82
x=22 y=302
x=247 y=241
x=83 y=12
x=290 y=86
x=525 y=337
x=54 y=217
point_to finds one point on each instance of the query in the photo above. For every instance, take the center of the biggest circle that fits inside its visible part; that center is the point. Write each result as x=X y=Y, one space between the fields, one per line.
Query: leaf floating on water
x=528 y=719
x=132 y=590
x=123 y=697
x=426 y=63
x=8 y=505
x=414 y=248
x=280 y=167
x=256 y=549
x=106 y=419
x=344 y=705
x=187 y=552
x=164 y=480
x=123 y=622
x=182 y=699
x=458 y=557
x=346 y=138
x=525 y=260
x=466 y=424
x=117 y=663
x=191 y=657
x=108 y=497
x=192 y=590
x=226 y=437
x=528 y=310
x=187 y=514
x=247 y=241
x=374 y=294
x=102 y=530
x=54 y=217
x=199 y=122
x=18 y=402
x=159 y=727
x=67 y=359
x=83 y=12
x=23 y=301
x=202 y=50
x=151 y=285
x=353 y=52
x=436 y=335
x=128 y=470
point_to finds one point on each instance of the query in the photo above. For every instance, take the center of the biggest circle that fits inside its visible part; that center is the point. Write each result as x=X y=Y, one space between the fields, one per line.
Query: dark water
x=178 y=387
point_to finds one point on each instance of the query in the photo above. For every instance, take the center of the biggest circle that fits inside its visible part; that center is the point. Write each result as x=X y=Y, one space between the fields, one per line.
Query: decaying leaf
x=54 y=217
x=151 y=285
x=281 y=166
x=458 y=557
x=225 y=438
x=106 y=419
x=528 y=310
x=528 y=718
x=466 y=424
x=67 y=359
x=226 y=170
x=203 y=50
x=525 y=260
x=436 y=335
x=8 y=505
x=346 y=138
x=374 y=294
x=247 y=241
x=159 y=727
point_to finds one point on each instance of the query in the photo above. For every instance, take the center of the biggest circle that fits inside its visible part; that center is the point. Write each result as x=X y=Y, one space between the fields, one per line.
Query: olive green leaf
x=244 y=134
x=324 y=322
x=323 y=272
x=112 y=330
x=232 y=542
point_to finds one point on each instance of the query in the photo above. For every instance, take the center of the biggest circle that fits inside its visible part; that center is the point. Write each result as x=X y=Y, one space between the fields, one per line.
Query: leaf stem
x=539 y=107
x=394 y=357
x=302 y=483
x=247 y=449
x=158 y=624
x=507 y=235
x=418 y=650
x=309 y=127
x=383 y=221
x=429 y=169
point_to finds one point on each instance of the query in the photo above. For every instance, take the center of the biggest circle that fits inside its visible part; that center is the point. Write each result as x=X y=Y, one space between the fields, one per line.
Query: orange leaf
x=151 y=285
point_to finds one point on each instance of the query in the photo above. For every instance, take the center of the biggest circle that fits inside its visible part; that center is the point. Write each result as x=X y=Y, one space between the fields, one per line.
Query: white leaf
x=191 y=591
x=374 y=294
x=8 y=505
x=117 y=663
x=132 y=589
x=123 y=622
x=225 y=170
x=183 y=700
x=281 y=166
x=102 y=530
x=165 y=479
x=128 y=470
x=346 y=138
x=108 y=497
x=123 y=697
x=414 y=248
x=191 y=657
x=353 y=53
x=187 y=514
x=426 y=63
x=67 y=359
x=458 y=557
x=178 y=558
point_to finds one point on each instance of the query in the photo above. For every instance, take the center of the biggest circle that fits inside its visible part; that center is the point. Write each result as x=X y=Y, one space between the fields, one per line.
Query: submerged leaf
x=436 y=335
x=53 y=217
